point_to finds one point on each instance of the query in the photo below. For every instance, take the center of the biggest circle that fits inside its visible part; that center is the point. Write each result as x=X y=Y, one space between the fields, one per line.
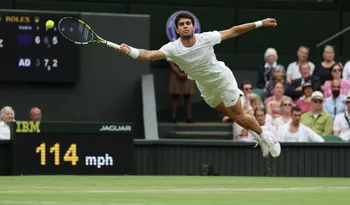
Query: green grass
x=176 y=190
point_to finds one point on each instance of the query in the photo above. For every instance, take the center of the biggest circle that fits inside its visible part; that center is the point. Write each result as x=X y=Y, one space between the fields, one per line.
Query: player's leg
x=226 y=110
x=235 y=111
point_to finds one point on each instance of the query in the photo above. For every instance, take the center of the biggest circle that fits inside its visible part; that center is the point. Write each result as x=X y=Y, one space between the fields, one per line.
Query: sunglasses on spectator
x=287 y=104
x=247 y=88
x=317 y=101
x=336 y=70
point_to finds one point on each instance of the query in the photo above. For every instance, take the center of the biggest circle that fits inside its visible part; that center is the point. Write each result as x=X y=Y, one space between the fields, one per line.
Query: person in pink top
x=304 y=102
x=336 y=72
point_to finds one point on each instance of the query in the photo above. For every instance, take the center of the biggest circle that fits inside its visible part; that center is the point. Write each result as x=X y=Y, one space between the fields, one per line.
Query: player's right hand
x=124 y=49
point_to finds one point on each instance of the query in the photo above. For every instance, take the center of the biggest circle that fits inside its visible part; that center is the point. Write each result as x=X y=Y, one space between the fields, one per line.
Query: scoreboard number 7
x=69 y=156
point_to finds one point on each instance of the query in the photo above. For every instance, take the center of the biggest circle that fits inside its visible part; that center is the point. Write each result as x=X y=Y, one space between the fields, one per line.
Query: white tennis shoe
x=264 y=149
x=271 y=143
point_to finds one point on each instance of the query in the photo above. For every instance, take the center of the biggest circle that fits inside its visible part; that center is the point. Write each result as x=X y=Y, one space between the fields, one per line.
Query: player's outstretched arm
x=243 y=28
x=141 y=54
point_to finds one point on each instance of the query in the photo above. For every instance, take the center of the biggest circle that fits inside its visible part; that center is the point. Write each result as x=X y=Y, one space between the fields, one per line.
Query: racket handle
x=112 y=45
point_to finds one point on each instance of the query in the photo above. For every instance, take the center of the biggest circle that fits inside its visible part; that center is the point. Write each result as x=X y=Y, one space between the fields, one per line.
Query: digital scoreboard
x=31 y=52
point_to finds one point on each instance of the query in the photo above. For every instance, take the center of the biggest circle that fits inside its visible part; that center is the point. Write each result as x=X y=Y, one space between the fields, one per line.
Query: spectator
x=341 y=126
x=323 y=69
x=318 y=119
x=336 y=72
x=334 y=104
x=266 y=70
x=278 y=76
x=286 y=106
x=247 y=89
x=296 y=132
x=7 y=116
x=273 y=103
x=346 y=71
x=255 y=102
x=180 y=85
x=35 y=114
x=293 y=71
x=260 y=116
x=304 y=102
x=295 y=89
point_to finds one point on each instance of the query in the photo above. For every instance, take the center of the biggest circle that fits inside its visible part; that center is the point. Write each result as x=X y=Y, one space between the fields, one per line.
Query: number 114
x=69 y=156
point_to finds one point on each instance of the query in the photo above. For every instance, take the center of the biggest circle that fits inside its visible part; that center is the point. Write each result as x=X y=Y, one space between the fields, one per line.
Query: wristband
x=134 y=52
x=258 y=24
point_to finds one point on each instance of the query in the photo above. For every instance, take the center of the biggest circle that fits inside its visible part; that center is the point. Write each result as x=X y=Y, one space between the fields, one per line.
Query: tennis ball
x=50 y=24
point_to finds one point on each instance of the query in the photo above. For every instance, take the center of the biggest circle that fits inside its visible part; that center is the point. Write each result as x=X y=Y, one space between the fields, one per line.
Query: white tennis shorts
x=228 y=92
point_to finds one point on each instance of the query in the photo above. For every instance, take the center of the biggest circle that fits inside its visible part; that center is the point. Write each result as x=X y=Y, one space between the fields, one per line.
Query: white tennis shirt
x=199 y=61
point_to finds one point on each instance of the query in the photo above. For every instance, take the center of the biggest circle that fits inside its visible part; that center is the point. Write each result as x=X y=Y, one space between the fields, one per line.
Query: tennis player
x=194 y=53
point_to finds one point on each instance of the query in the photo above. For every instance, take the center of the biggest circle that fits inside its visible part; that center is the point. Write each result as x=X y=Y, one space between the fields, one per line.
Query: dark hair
x=341 y=69
x=295 y=109
x=246 y=82
x=183 y=16
x=259 y=109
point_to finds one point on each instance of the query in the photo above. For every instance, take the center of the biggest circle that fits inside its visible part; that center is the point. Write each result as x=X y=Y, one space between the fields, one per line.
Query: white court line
x=179 y=190
x=31 y=202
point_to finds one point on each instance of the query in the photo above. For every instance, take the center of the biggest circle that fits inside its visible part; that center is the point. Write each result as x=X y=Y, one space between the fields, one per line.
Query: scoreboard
x=31 y=52
x=46 y=148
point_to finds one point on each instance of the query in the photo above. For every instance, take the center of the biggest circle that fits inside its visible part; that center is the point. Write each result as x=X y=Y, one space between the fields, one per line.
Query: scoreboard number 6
x=69 y=156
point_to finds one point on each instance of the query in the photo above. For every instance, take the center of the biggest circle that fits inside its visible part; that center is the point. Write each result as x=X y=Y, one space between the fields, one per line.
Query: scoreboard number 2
x=69 y=156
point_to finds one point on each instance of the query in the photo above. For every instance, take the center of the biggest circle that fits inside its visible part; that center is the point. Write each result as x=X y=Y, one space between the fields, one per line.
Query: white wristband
x=258 y=24
x=134 y=52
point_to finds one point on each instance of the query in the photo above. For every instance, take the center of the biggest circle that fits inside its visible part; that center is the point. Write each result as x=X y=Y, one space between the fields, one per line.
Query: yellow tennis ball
x=50 y=24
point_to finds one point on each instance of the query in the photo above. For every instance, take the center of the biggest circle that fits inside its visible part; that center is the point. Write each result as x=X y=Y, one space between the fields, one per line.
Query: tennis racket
x=78 y=32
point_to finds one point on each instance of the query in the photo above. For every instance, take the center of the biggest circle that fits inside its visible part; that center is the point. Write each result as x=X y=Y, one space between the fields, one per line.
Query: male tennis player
x=194 y=53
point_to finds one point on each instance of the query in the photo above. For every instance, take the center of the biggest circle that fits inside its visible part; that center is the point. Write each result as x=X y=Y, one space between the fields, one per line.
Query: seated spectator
x=336 y=72
x=255 y=102
x=260 y=116
x=247 y=89
x=35 y=114
x=278 y=76
x=273 y=103
x=7 y=116
x=341 y=126
x=293 y=71
x=334 y=104
x=346 y=71
x=266 y=70
x=295 y=89
x=304 y=102
x=323 y=69
x=296 y=132
x=318 y=119
x=286 y=106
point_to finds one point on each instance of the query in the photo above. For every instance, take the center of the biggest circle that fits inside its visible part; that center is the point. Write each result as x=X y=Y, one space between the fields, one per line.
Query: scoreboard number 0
x=69 y=156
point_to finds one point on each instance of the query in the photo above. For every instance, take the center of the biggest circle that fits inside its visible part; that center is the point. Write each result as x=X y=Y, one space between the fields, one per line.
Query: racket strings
x=75 y=30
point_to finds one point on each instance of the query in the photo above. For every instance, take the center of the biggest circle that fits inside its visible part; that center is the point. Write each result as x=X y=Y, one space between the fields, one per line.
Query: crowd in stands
x=306 y=102
x=7 y=116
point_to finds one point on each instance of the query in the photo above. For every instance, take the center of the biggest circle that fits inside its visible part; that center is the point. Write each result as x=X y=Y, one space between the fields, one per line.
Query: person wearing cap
x=304 y=102
x=266 y=70
x=333 y=104
x=294 y=131
x=319 y=120
x=295 y=89
x=341 y=125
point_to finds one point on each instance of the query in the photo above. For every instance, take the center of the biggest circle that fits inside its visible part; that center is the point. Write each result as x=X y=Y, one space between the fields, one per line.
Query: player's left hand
x=269 y=22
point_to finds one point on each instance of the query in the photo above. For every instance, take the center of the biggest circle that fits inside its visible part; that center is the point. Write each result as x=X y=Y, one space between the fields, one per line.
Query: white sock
x=254 y=133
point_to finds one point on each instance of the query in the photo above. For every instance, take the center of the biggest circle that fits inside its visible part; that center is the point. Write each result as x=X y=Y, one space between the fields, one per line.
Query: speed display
x=31 y=52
